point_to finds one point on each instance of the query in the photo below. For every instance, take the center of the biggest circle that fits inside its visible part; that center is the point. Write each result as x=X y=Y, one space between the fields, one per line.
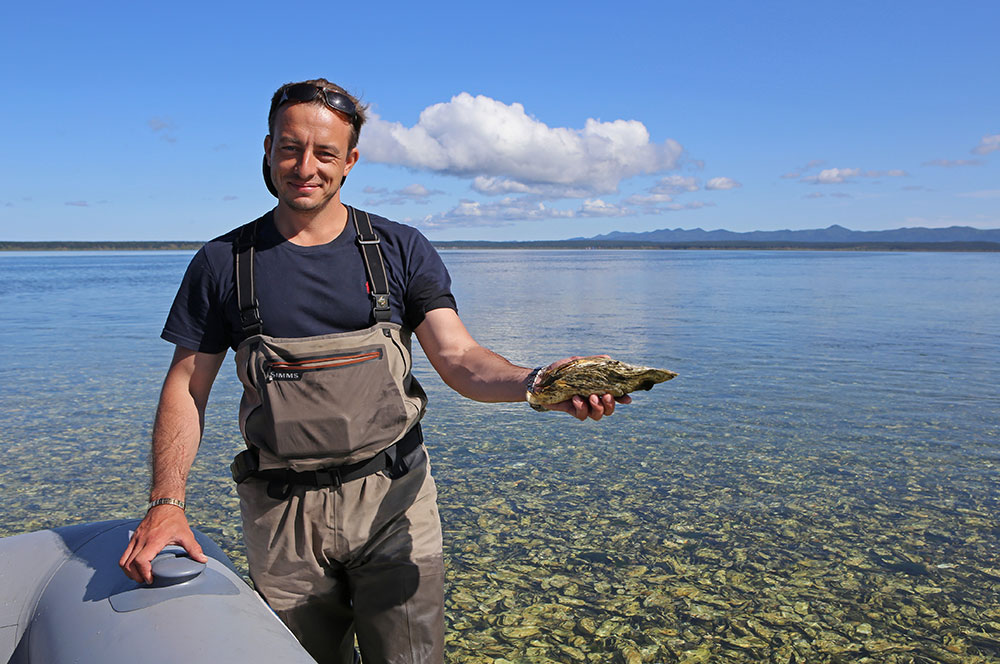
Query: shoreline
x=183 y=245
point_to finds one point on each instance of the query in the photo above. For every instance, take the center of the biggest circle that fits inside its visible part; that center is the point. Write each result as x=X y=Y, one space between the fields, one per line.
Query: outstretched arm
x=478 y=373
x=177 y=431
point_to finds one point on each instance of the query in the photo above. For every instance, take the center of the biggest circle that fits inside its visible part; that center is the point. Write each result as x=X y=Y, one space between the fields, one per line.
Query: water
x=820 y=483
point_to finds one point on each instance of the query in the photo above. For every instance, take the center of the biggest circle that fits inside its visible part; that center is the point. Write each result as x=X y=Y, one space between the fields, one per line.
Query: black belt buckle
x=326 y=477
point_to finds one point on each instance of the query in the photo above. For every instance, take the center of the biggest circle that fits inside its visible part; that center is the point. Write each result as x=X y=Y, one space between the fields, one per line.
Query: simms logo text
x=284 y=375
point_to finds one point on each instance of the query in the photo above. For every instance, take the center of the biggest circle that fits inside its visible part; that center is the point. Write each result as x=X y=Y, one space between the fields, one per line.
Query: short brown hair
x=356 y=122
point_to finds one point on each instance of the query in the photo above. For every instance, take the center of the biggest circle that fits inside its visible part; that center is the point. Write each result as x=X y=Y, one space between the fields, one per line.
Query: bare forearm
x=176 y=437
x=180 y=420
x=480 y=374
x=465 y=366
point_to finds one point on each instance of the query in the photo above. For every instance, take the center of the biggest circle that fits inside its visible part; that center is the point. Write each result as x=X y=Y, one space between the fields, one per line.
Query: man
x=318 y=299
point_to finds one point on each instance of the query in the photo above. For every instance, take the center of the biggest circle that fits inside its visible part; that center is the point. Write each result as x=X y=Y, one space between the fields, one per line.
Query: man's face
x=308 y=155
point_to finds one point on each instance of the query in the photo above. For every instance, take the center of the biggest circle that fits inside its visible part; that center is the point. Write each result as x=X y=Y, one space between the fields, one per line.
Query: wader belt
x=367 y=240
x=281 y=481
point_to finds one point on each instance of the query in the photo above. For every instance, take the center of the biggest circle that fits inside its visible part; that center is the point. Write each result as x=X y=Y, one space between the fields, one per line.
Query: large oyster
x=594 y=375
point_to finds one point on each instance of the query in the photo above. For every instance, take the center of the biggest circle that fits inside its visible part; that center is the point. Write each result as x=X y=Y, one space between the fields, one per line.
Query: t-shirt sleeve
x=196 y=320
x=428 y=282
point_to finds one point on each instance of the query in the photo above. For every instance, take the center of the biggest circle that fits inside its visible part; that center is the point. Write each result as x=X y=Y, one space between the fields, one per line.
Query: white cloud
x=648 y=200
x=659 y=204
x=987 y=144
x=833 y=175
x=675 y=184
x=841 y=175
x=984 y=193
x=479 y=136
x=952 y=163
x=164 y=127
x=159 y=124
x=835 y=194
x=509 y=210
x=500 y=186
x=798 y=172
x=501 y=212
x=411 y=193
x=693 y=205
x=660 y=197
x=598 y=208
x=722 y=184
x=415 y=190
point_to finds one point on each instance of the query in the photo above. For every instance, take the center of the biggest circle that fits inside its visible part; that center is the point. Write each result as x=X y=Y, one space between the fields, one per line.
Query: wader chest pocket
x=341 y=404
x=330 y=399
x=295 y=369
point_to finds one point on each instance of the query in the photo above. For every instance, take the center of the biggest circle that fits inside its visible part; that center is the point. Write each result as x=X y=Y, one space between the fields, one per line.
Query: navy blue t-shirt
x=305 y=291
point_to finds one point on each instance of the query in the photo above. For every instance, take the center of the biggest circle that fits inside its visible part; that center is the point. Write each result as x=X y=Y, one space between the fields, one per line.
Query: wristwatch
x=529 y=387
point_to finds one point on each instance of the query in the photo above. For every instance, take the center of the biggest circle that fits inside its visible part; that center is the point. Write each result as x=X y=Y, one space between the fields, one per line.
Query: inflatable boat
x=64 y=599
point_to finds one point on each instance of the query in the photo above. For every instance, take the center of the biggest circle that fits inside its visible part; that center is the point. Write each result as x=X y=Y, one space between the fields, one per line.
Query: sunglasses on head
x=301 y=92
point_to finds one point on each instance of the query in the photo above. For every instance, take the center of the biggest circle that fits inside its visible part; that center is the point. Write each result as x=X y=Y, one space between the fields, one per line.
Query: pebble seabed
x=773 y=553
x=614 y=543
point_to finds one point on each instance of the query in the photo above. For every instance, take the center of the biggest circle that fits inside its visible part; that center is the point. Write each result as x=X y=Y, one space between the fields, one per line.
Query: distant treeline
x=98 y=246
x=552 y=244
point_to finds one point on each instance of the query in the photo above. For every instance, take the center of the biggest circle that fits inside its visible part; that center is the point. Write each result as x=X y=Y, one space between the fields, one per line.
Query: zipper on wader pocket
x=295 y=369
x=388 y=334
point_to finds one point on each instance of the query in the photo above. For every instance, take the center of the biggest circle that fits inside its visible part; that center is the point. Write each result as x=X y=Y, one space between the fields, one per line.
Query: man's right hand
x=163 y=525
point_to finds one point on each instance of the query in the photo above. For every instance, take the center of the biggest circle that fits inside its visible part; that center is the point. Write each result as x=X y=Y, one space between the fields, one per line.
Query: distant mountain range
x=833 y=234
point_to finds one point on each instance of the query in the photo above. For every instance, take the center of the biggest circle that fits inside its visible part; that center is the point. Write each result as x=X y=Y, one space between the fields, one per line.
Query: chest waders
x=323 y=410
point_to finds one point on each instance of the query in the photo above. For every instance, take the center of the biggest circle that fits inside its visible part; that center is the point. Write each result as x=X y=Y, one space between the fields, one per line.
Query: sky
x=508 y=121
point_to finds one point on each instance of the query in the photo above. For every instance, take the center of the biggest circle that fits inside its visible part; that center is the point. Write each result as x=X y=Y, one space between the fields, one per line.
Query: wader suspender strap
x=246 y=294
x=378 y=280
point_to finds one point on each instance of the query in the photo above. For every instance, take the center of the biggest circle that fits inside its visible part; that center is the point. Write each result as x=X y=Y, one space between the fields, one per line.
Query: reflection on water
x=820 y=484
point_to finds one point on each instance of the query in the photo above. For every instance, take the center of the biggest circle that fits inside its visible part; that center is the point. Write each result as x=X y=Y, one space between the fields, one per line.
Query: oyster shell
x=595 y=375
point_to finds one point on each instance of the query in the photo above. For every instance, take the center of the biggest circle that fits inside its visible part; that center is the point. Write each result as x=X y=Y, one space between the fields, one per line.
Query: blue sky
x=516 y=120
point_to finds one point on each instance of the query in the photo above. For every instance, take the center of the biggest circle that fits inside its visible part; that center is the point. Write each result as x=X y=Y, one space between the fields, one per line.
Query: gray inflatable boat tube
x=64 y=599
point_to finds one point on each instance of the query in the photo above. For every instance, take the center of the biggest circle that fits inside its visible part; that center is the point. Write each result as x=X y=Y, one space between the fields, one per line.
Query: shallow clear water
x=820 y=483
